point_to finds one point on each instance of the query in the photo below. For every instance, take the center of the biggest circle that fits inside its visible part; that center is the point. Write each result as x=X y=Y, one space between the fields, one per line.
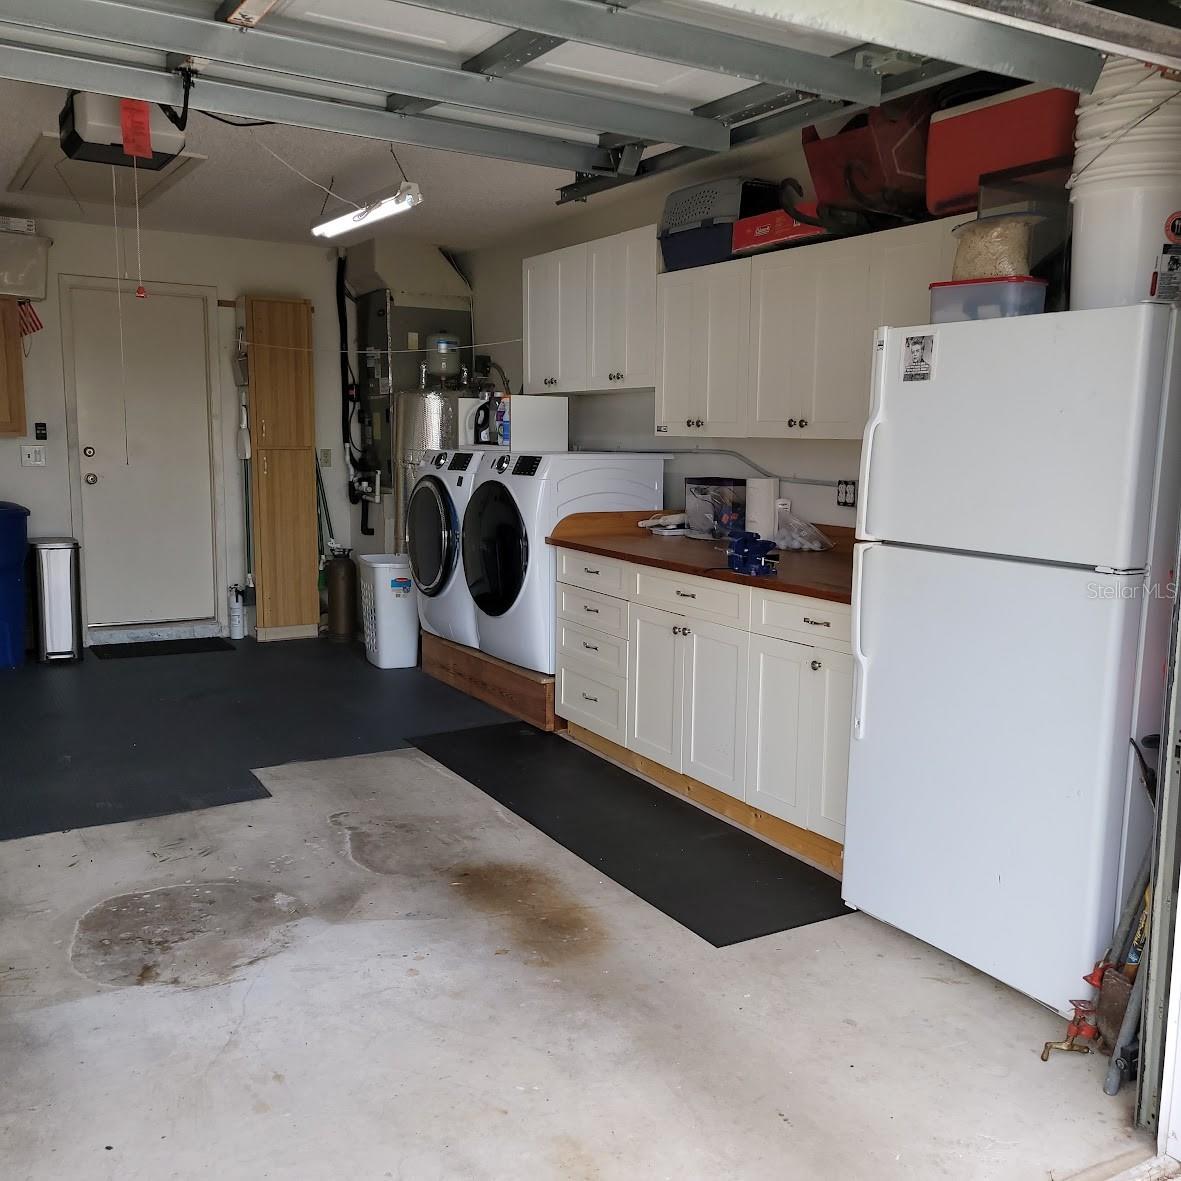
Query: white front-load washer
x=516 y=502
x=434 y=514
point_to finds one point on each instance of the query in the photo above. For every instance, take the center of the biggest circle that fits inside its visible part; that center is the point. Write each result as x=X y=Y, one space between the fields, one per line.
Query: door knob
x=88 y=452
x=816 y=666
x=91 y=478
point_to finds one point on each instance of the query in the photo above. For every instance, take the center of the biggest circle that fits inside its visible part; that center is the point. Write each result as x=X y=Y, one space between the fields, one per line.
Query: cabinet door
x=783 y=317
x=12 y=379
x=655 y=681
x=904 y=262
x=776 y=775
x=286 y=550
x=835 y=405
x=282 y=403
x=539 y=280
x=638 y=363
x=826 y=724
x=713 y=740
x=571 y=308
x=606 y=264
x=702 y=349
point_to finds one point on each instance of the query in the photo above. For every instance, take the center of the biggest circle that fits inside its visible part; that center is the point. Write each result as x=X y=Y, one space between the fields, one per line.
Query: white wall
x=234 y=267
x=628 y=419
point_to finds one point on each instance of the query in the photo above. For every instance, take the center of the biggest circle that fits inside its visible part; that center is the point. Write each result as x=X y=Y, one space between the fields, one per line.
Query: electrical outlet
x=325 y=456
x=32 y=456
x=846 y=494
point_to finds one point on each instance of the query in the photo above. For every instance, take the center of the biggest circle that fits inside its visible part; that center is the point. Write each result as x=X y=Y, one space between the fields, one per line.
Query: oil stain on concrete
x=192 y=935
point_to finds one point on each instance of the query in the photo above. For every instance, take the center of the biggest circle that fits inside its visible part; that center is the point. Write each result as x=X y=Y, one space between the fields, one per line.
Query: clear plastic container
x=987 y=299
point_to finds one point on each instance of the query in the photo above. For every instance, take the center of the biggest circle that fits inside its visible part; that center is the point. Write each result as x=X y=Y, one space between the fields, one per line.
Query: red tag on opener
x=135 y=117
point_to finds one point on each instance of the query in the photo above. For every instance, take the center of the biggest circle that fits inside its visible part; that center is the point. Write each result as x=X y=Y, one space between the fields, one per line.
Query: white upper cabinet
x=621 y=311
x=590 y=315
x=555 y=316
x=701 y=361
x=790 y=358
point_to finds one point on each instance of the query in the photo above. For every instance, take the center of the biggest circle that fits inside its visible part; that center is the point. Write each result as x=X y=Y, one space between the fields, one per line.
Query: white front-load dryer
x=516 y=502
x=434 y=514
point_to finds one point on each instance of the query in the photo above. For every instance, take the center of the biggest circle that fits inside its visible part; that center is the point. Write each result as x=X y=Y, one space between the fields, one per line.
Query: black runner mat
x=160 y=648
x=717 y=880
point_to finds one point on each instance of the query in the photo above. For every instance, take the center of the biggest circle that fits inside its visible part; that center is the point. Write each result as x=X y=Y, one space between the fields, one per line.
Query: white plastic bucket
x=389 y=610
x=1121 y=229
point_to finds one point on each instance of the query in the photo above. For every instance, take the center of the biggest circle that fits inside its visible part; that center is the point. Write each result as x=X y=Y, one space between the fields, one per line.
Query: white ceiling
x=240 y=191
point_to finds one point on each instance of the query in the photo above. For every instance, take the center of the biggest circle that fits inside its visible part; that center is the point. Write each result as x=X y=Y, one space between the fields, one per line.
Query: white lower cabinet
x=798 y=739
x=761 y=718
x=713 y=727
x=655 y=684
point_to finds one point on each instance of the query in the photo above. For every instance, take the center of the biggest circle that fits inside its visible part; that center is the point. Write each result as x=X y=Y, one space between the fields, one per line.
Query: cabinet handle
x=688 y=422
x=686 y=594
x=265 y=467
x=803 y=423
x=588 y=697
x=818 y=622
x=590 y=610
x=791 y=422
x=588 y=570
x=676 y=631
x=816 y=666
x=590 y=647
x=684 y=631
x=699 y=422
x=263 y=424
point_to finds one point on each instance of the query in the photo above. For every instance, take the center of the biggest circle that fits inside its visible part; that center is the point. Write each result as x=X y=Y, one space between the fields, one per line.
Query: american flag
x=30 y=322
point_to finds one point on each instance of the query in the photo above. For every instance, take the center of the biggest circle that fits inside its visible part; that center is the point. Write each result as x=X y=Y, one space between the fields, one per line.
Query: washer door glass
x=432 y=535
x=495 y=548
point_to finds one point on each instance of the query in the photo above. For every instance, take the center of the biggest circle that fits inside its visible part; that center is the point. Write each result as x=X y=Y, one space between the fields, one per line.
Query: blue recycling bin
x=14 y=544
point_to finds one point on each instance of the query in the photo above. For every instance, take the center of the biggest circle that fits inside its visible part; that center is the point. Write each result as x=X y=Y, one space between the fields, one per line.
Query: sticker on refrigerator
x=918 y=358
x=1166 y=279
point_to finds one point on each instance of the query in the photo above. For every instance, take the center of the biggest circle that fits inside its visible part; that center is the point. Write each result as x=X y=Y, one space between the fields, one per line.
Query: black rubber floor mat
x=160 y=648
x=717 y=880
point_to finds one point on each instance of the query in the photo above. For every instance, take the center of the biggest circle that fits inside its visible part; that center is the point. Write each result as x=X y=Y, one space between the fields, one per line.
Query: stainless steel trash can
x=57 y=598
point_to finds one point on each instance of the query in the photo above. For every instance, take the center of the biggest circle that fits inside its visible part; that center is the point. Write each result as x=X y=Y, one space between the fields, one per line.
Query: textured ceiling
x=241 y=191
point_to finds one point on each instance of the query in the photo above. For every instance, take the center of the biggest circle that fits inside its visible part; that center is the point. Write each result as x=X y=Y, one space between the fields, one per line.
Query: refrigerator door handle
x=860 y=660
x=876 y=418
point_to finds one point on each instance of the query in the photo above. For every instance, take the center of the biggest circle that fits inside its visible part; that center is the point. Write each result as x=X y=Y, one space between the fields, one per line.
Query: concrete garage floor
x=379 y=973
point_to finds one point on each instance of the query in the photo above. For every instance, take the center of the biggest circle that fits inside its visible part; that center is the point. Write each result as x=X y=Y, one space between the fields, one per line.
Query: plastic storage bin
x=389 y=610
x=14 y=544
x=987 y=299
x=697 y=224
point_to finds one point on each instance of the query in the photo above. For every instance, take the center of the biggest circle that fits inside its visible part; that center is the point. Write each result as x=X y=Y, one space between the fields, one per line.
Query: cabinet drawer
x=793 y=617
x=607 y=654
x=593 y=610
x=592 y=699
x=723 y=602
x=591 y=572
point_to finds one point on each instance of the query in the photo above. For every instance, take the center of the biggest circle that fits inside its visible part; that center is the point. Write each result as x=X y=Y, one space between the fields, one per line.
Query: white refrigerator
x=1011 y=611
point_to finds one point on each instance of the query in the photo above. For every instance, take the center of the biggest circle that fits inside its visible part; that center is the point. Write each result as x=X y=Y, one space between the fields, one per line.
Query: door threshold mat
x=722 y=883
x=161 y=648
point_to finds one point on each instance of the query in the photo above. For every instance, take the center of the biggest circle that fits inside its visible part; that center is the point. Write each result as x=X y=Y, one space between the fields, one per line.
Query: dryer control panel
x=460 y=461
x=526 y=465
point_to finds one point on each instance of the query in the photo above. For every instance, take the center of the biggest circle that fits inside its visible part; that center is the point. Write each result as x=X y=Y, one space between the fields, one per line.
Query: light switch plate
x=32 y=456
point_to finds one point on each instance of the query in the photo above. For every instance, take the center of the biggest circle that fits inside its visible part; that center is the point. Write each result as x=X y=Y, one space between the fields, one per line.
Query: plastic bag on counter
x=794 y=533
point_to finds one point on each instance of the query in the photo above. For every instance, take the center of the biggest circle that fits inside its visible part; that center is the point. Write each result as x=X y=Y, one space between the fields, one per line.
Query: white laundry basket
x=389 y=610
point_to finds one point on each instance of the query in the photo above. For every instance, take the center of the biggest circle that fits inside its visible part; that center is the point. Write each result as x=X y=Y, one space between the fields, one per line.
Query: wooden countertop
x=827 y=574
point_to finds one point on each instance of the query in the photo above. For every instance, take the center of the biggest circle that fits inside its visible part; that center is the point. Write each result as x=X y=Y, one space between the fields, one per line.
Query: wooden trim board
x=811 y=847
x=525 y=694
x=296 y=631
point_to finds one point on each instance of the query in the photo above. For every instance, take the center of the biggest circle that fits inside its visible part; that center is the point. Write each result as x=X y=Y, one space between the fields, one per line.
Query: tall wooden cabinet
x=12 y=379
x=282 y=420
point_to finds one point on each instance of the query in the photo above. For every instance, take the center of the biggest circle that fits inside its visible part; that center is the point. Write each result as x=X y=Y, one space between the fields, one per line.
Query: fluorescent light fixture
x=376 y=209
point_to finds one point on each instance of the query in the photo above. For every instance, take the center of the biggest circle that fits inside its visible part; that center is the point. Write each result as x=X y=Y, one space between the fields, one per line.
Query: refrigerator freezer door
x=989 y=760
x=1034 y=436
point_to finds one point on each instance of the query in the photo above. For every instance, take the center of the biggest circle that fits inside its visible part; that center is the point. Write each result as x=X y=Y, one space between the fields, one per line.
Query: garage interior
x=285 y=895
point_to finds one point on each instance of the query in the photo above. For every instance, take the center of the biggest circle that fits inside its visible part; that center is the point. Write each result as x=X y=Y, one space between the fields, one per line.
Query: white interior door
x=142 y=398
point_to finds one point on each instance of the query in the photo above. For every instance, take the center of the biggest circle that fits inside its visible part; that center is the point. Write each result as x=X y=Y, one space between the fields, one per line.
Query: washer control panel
x=460 y=461
x=526 y=465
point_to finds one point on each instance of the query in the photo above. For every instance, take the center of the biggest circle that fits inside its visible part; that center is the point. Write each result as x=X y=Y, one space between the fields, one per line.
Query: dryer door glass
x=495 y=548
x=432 y=535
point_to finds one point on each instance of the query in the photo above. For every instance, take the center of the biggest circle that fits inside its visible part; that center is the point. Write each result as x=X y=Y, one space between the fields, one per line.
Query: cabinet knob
x=688 y=422
x=791 y=422
x=699 y=422
x=684 y=631
x=803 y=423
x=676 y=631
x=816 y=666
